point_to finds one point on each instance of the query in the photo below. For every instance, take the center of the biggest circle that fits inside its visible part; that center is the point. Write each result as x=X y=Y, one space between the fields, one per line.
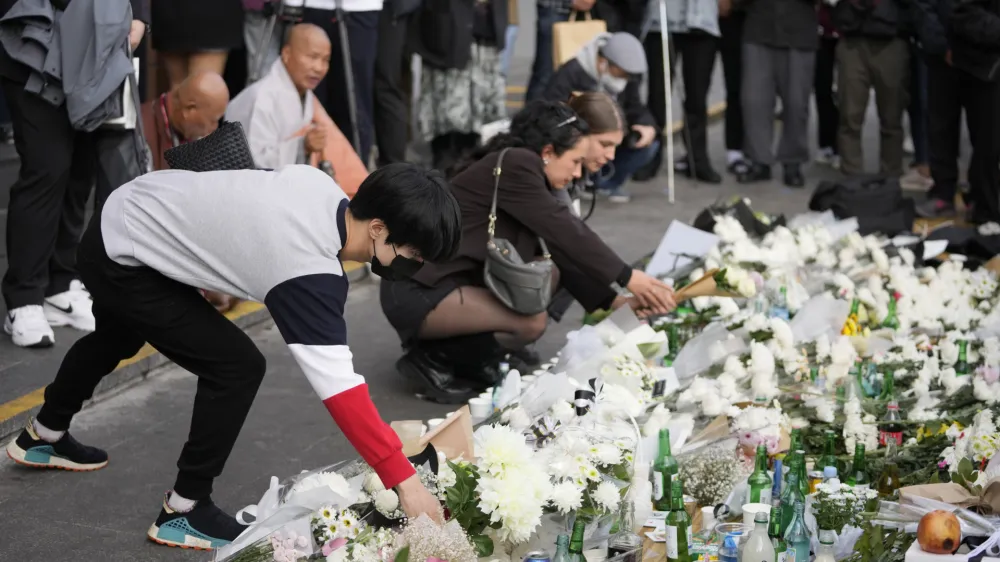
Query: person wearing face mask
x=613 y=63
x=276 y=237
x=453 y=329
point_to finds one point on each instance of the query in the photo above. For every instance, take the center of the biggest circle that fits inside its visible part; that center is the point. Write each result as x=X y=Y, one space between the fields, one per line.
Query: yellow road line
x=37 y=397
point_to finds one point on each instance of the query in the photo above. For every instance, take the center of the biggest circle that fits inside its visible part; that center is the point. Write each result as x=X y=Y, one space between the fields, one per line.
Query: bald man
x=187 y=113
x=276 y=109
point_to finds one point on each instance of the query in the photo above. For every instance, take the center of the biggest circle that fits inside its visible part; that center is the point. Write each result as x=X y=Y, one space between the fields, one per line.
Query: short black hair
x=417 y=207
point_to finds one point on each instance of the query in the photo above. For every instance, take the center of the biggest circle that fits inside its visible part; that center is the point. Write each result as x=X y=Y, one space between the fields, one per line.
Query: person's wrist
x=410 y=484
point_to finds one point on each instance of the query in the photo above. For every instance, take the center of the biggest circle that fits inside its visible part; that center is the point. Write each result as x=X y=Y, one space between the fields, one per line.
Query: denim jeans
x=508 y=50
x=541 y=69
x=627 y=161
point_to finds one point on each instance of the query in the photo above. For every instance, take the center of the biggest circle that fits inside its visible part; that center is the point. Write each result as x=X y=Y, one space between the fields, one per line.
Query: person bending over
x=454 y=329
x=613 y=63
x=276 y=237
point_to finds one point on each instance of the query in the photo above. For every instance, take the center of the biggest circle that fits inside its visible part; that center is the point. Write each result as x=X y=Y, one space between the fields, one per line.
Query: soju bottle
x=888 y=481
x=664 y=473
x=795 y=440
x=504 y=369
x=829 y=457
x=858 y=476
x=792 y=494
x=562 y=549
x=797 y=534
x=963 y=367
x=673 y=345
x=802 y=474
x=774 y=531
x=780 y=307
x=888 y=386
x=758 y=547
x=576 y=541
x=626 y=541
x=891 y=320
x=678 y=527
x=759 y=483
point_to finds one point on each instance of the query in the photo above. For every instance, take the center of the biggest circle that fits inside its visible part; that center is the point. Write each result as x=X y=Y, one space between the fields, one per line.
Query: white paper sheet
x=679 y=239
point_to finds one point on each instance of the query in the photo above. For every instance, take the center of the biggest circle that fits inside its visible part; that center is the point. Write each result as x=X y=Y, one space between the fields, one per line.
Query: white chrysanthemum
x=563 y=412
x=501 y=450
x=517 y=418
x=386 y=501
x=515 y=501
x=606 y=495
x=373 y=484
x=566 y=497
x=446 y=476
x=606 y=454
x=782 y=332
x=331 y=480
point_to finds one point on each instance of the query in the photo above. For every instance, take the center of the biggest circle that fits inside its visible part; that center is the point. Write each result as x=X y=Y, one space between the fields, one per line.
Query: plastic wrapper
x=510 y=389
x=546 y=391
x=906 y=515
x=696 y=357
x=820 y=315
x=283 y=507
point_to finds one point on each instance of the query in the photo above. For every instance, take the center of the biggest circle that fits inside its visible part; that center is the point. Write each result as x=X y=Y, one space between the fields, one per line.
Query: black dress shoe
x=756 y=173
x=704 y=173
x=478 y=377
x=793 y=176
x=436 y=376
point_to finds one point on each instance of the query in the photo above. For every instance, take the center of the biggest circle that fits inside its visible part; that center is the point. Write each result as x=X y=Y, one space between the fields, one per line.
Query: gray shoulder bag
x=525 y=288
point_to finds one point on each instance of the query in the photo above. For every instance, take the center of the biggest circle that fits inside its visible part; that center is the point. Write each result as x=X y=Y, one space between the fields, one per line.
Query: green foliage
x=966 y=476
x=462 y=503
x=878 y=544
x=403 y=555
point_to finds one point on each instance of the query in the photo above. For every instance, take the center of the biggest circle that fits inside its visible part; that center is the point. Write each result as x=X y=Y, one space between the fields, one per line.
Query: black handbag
x=525 y=288
x=877 y=202
x=225 y=149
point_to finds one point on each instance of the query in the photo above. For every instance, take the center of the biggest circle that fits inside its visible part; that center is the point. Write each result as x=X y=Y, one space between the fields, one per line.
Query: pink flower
x=432 y=559
x=990 y=374
x=942 y=464
x=758 y=281
x=333 y=545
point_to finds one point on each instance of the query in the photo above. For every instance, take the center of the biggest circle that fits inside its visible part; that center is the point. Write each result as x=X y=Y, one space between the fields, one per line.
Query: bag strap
x=574 y=13
x=491 y=229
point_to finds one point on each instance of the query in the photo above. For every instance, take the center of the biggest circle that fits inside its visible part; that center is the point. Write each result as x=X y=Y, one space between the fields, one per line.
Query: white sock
x=178 y=503
x=47 y=435
x=734 y=156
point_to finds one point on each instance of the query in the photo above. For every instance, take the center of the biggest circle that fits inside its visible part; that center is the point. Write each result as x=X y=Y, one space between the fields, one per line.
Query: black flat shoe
x=794 y=177
x=439 y=383
x=757 y=172
x=478 y=377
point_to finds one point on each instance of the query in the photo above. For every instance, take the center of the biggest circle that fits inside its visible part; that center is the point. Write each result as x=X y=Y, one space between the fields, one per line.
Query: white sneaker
x=72 y=308
x=28 y=327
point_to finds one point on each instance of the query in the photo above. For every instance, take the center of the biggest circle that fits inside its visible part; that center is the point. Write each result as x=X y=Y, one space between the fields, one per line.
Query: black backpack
x=877 y=203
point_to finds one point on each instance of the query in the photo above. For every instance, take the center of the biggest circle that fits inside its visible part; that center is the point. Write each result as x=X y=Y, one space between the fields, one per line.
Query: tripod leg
x=669 y=97
x=262 y=47
x=352 y=102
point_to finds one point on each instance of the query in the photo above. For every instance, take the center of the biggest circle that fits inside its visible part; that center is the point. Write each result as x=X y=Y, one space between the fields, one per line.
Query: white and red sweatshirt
x=272 y=237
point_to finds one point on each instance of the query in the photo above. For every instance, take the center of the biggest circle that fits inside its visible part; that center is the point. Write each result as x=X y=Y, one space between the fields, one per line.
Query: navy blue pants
x=627 y=162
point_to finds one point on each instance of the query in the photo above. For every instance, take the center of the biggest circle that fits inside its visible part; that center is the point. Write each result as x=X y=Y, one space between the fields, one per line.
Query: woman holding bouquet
x=454 y=329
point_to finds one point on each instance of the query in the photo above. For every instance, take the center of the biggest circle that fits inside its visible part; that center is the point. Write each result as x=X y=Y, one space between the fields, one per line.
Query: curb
x=146 y=364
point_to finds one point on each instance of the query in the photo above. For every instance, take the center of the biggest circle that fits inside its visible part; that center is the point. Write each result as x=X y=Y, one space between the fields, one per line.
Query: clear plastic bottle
x=758 y=547
x=797 y=534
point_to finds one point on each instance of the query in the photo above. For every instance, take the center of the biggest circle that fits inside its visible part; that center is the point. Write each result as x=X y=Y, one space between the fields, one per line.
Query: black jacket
x=621 y=15
x=975 y=38
x=441 y=31
x=571 y=77
x=931 y=19
x=875 y=19
x=790 y=24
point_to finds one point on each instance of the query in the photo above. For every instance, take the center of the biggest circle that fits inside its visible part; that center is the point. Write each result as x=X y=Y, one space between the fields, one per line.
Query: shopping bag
x=569 y=36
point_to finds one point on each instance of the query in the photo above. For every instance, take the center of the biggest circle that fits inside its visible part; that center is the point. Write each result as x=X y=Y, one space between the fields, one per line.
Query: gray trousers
x=771 y=72
x=254 y=28
x=864 y=64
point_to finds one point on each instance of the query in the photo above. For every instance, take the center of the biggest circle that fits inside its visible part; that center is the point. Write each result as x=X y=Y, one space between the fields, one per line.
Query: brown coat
x=155 y=130
x=527 y=210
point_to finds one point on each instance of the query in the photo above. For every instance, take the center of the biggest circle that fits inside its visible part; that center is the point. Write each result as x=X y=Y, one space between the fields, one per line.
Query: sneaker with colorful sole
x=29 y=449
x=203 y=527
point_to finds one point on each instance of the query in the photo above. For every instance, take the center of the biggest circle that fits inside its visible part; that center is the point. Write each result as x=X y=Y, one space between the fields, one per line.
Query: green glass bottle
x=829 y=457
x=795 y=439
x=576 y=541
x=858 y=476
x=775 y=531
x=888 y=386
x=792 y=493
x=891 y=320
x=888 y=481
x=664 y=473
x=803 y=474
x=673 y=345
x=759 y=483
x=797 y=534
x=562 y=549
x=678 y=527
x=963 y=367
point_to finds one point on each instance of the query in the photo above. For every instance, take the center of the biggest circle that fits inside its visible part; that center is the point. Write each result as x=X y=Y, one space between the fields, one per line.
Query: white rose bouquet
x=735 y=280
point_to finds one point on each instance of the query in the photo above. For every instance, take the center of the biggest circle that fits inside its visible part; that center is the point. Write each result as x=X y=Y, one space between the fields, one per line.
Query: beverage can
x=815 y=479
x=537 y=556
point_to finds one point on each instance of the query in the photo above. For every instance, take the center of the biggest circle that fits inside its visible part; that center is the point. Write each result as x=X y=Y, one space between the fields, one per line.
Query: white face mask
x=610 y=83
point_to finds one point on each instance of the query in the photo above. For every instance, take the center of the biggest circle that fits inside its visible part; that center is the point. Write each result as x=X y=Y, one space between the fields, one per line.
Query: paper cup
x=488 y=395
x=752 y=509
x=432 y=423
x=480 y=408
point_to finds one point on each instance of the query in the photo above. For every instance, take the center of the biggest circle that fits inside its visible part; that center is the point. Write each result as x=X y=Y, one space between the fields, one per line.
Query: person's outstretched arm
x=308 y=311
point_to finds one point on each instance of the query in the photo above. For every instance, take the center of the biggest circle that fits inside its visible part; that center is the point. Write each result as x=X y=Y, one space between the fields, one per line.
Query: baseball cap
x=623 y=50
